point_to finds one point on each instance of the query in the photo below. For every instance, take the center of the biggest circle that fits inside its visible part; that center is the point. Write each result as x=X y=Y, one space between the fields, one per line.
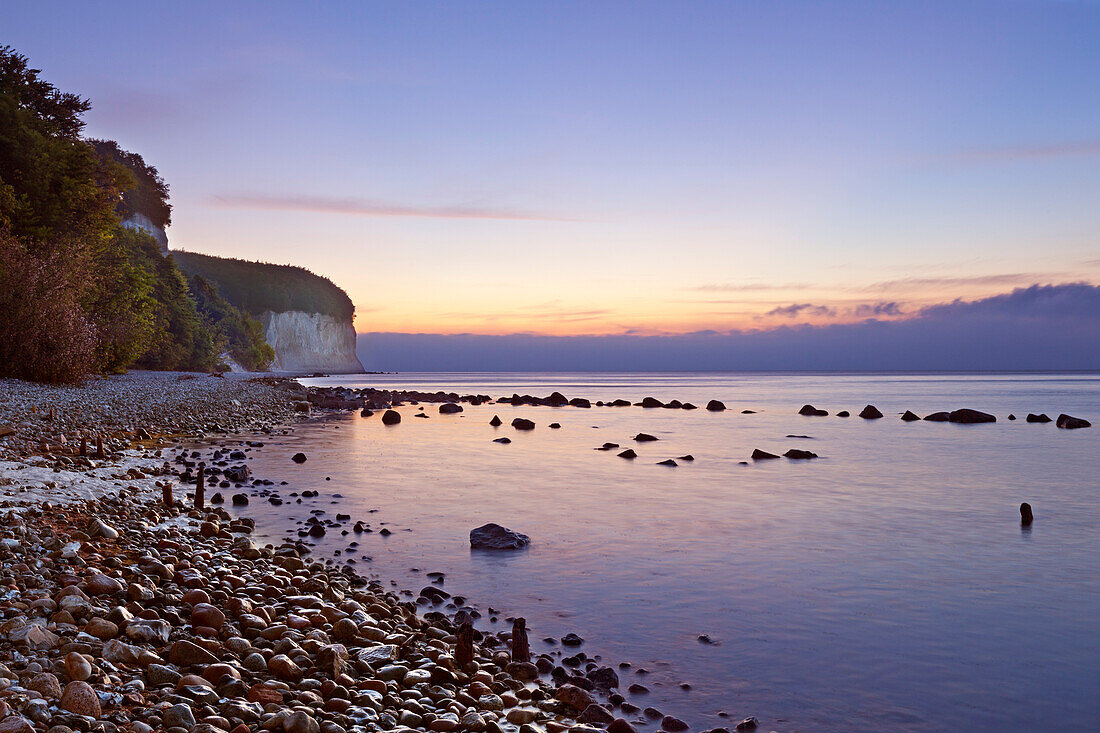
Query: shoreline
x=127 y=486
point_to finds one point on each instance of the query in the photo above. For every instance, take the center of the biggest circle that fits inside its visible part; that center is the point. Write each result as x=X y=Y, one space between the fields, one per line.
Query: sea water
x=887 y=585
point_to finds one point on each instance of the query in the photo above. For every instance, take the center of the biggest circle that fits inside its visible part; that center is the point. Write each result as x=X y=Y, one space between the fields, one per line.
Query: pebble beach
x=125 y=607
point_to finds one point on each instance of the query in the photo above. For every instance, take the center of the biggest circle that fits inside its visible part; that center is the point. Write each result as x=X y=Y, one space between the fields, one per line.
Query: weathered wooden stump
x=166 y=493
x=521 y=647
x=200 y=487
x=464 y=647
x=83 y=445
x=99 y=453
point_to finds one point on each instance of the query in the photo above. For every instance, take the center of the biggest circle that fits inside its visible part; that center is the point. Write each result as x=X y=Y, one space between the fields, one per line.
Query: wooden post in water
x=521 y=648
x=464 y=647
x=200 y=488
x=166 y=492
x=83 y=444
x=99 y=447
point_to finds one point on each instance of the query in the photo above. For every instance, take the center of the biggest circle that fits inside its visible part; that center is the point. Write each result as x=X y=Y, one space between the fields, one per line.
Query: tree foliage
x=257 y=287
x=78 y=291
x=148 y=195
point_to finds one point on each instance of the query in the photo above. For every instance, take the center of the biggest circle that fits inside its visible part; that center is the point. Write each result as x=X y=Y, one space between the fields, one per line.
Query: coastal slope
x=307 y=319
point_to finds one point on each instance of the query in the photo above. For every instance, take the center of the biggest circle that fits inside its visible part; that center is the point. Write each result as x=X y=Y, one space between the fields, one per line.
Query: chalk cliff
x=306 y=318
x=141 y=222
x=311 y=342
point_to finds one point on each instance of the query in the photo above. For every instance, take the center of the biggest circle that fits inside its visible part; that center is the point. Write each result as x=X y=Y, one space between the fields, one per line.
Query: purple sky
x=605 y=168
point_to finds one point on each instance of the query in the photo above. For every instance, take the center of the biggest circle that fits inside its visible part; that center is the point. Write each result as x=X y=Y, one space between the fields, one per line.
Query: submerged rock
x=761 y=455
x=495 y=537
x=1068 y=422
x=667 y=462
x=799 y=455
x=967 y=416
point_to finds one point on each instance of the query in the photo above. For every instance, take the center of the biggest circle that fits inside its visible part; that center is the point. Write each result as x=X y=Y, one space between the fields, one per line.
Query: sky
x=602 y=169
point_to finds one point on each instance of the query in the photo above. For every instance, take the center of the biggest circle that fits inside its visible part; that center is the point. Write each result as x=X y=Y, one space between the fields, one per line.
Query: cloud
x=873 y=310
x=1049 y=327
x=374 y=208
x=1003 y=279
x=797 y=309
x=746 y=287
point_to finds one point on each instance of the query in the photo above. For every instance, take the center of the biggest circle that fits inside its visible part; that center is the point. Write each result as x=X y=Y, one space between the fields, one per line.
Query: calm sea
x=887 y=585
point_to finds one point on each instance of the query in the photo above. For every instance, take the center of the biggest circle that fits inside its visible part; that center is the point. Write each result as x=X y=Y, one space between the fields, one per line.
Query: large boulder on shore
x=1068 y=422
x=494 y=537
x=966 y=416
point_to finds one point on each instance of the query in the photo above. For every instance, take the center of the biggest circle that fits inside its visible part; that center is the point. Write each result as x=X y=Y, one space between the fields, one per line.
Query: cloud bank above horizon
x=1039 y=328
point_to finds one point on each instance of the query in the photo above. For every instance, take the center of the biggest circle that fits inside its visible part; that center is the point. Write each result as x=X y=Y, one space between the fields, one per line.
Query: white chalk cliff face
x=311 y=342
x=141 y=222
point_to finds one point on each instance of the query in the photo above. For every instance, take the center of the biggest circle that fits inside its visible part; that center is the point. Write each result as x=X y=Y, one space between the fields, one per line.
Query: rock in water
x=844 y=413
x=1068 y=422
x=494 y=537
x=496 y=421
x=299 y=458
x=521 y=423
x=760 y=455
x=909 y=416
x=449 y=409
x=870 y=412
x=644 y=438
x=391 y=417
x=967 y=416
x=652 y=402
x=667 y=462
x=715 y=406
x=1026 y=517
x=811 y=411
x=628 y=453
x=1042 y=417
x=938 y=417
x=799 y=455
